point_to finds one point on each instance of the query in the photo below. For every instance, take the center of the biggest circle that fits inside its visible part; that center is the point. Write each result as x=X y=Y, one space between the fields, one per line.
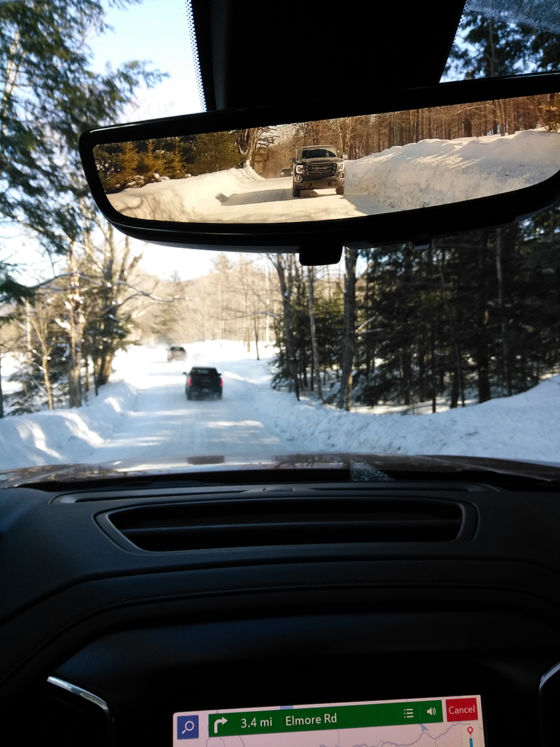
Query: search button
x=187 y=727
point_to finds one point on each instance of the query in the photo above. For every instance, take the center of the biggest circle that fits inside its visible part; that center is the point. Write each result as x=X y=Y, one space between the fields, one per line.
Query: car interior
x=362 y=599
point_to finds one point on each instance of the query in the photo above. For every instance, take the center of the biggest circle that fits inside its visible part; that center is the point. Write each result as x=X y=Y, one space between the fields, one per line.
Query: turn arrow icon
x=219 y=721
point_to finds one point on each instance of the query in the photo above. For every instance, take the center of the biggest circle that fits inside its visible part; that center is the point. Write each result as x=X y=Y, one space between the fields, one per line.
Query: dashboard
x=410 y=612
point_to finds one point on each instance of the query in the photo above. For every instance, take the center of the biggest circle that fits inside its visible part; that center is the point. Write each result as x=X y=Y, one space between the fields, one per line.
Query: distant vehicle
x=317 y=167
x=286 y=172
x=202 y=382
x=176 y=353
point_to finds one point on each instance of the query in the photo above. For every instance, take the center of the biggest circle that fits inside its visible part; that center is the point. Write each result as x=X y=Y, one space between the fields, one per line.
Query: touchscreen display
x=454 y=721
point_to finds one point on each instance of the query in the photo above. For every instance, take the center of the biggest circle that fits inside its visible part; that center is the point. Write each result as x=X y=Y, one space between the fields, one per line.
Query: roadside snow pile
x=183 y=199
x=525 y=426
x=64 y=436
x=434 y=172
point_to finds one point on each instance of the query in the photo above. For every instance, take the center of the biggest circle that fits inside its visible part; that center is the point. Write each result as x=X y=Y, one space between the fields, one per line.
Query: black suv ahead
x=203 y=382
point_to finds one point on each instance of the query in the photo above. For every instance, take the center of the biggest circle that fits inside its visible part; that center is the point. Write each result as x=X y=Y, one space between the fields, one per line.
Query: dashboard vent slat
x=287 y=521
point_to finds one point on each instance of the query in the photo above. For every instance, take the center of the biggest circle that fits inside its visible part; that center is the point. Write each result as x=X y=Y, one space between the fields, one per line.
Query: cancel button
x=461 y=709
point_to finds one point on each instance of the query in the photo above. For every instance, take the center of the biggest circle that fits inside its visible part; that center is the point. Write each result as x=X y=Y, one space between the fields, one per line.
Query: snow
x=435 y=172
x=430 y=172
x=9 y=365
x=193 y=196
x=143 y=414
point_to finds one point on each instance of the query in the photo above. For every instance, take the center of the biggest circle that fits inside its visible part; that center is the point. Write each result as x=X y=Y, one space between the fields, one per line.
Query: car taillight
x=189 y=381
x=221 y=382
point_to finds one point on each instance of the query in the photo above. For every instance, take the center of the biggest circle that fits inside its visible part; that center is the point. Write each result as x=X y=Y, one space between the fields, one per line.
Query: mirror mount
x=320 y=253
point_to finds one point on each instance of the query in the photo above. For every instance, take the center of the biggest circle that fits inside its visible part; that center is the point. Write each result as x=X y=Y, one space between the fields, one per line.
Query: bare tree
x=41 y=317
x=75 y=328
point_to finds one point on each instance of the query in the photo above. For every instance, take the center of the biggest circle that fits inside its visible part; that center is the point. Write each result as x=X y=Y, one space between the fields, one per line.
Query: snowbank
x=64 y=435
x=174 y=199
x=433 y=172
x=525 y=426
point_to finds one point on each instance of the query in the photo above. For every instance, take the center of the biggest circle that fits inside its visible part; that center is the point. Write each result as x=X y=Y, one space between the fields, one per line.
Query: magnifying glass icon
x=188 y=726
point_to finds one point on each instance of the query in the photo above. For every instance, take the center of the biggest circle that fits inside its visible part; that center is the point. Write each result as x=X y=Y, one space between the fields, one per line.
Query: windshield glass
x=505 y=37
x=447 y=348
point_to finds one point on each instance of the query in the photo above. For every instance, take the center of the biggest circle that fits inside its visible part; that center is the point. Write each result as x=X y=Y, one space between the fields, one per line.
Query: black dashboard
x=123 y=606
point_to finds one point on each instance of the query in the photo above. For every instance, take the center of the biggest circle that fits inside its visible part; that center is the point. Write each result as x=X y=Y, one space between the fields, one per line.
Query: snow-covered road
x=143 y=415
x=272 y=200
x=163 y=423
x=239 y=196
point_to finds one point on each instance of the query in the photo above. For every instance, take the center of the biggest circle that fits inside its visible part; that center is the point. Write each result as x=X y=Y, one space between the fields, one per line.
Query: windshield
x=505 y=37
x=447 y=348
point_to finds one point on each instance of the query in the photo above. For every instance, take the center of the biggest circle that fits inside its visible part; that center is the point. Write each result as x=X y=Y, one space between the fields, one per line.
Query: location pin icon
x=470 y=729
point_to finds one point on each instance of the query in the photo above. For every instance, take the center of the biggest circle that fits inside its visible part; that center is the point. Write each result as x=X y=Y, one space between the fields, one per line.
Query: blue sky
x=156 y=31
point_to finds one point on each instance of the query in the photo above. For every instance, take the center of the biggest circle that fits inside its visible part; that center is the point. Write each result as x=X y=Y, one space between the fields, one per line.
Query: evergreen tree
x=48 y=95
x=214 y=151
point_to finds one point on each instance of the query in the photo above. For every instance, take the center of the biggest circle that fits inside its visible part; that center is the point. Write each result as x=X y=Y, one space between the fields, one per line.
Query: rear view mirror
x=440 y=156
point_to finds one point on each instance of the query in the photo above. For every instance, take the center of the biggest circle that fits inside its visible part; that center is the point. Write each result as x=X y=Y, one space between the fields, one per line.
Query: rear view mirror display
x=446 y=721
x=339 y=168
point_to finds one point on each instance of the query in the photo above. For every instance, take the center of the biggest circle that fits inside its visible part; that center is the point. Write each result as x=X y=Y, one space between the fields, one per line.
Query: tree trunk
x=256 y=334
x=349 y=335
x=75 y=332
x=313 y=332
x=458 y=383
x=501 y=307
x=433 y=367
x=104 y=368
x=481 y=344
x=47 y=380
x=87 y=385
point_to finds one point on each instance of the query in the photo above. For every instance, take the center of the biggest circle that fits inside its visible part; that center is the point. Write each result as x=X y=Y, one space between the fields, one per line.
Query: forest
x=470 y=317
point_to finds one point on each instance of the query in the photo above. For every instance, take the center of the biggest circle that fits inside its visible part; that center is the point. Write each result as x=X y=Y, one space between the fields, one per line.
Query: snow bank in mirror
x=172 y=199
x=436 y=172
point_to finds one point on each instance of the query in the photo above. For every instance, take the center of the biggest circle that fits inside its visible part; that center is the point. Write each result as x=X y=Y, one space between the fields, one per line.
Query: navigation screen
x=446 y=721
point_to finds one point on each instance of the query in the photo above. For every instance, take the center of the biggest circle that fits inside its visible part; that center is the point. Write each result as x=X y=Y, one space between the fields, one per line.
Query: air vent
x=289 y=521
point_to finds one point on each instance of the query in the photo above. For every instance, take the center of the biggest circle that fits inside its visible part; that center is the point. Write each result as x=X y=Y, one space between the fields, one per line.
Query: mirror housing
x=320 y=241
